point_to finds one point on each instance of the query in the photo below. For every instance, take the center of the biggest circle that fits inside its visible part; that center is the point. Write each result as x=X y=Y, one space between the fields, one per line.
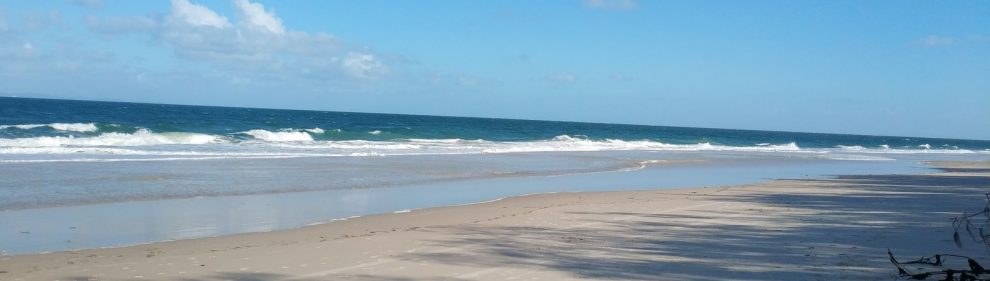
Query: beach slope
x=828 y=229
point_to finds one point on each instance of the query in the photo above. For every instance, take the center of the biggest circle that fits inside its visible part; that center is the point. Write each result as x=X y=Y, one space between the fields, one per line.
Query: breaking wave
x=280 y=136
x=315 y=130
x=920 y=149
x=568 y=143
x=142 y=137
x=68 y=127
x=143 y=144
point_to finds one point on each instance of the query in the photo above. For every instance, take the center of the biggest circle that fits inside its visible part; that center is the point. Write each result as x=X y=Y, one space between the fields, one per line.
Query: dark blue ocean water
x=24 y=119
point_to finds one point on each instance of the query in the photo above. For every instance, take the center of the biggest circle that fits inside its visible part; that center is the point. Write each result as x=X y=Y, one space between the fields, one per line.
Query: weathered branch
x=939 y=260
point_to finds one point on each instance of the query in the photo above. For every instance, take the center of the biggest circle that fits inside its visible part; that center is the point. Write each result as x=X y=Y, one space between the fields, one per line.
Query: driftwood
x=934 y=266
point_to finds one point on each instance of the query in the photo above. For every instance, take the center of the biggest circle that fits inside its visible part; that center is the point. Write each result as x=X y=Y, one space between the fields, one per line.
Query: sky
x=905 y=68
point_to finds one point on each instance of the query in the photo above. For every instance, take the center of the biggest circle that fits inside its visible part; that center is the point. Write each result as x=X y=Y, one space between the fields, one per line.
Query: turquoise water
x=78 y=174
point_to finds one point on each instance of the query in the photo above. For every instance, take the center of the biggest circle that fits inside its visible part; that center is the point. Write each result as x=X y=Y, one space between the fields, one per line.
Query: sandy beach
x=494 y=140
x=832 y=229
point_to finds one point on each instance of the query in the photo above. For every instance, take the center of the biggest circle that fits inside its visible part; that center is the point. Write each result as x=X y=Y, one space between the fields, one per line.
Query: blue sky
x=915 y=68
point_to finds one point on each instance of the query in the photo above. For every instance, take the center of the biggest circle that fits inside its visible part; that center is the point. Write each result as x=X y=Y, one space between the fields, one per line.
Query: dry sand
x=836 y=229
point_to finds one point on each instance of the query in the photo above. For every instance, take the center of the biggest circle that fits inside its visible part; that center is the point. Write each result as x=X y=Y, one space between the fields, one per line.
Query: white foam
x=145 y=144
x=884 y=149
x=278 y=136
x=341 y=219
x=375 y=132
x=642 y=165
x=852 y=147
x=459 y=146
x=497 y=199
x=22 y=127
x=354 y=145
x=71 y=150
x=921 y=149
x=21 y=161
x=366 y=154
x=315 y=130
x=69 y=127
x=140 y=138
x=442 y=140
x=857 y=157
x=568 y=143
x=117 y=151
x=74 y=127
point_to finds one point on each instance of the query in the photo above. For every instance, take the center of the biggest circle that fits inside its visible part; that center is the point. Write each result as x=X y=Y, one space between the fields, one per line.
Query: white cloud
x=197 y=15
x=254 y=15
x=935 y=40
x=611 y=4
x=250 y=49
x=362 y=65
x=256 y=46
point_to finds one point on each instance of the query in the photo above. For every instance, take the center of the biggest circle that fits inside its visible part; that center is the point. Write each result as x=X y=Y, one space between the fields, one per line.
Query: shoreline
x=562 y=226
x=140 y=222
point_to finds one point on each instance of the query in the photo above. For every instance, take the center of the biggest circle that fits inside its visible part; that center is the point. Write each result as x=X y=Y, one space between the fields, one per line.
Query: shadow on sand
x=842 y=233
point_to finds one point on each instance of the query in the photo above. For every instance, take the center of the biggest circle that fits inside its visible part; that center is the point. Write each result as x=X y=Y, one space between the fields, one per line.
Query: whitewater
x=289 y=142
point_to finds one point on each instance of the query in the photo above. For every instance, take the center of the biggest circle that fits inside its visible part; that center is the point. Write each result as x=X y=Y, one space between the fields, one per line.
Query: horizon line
x=482 y=117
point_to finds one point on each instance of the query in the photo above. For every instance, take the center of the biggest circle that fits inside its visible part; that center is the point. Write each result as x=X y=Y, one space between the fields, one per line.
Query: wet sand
x=779 y=230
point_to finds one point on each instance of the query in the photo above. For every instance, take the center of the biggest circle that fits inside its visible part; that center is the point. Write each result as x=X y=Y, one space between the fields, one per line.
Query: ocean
x=39 y=130
x=154 y=172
